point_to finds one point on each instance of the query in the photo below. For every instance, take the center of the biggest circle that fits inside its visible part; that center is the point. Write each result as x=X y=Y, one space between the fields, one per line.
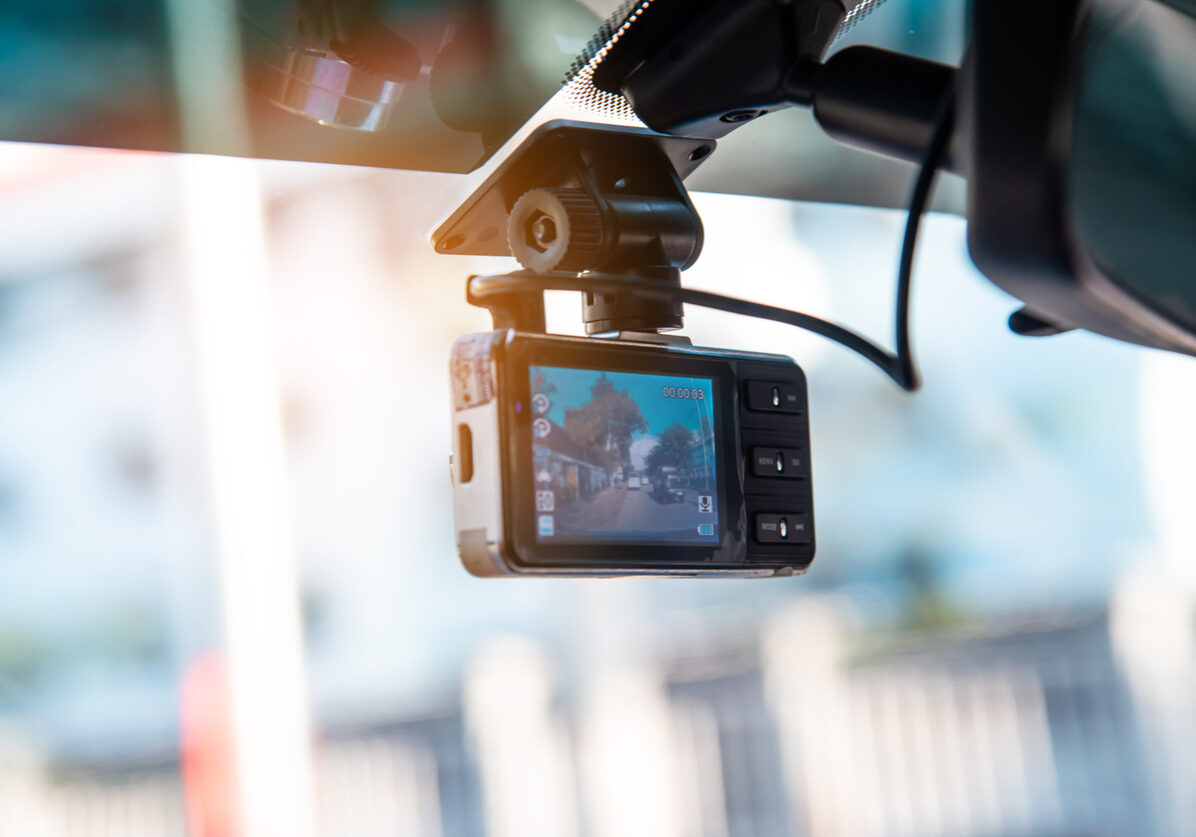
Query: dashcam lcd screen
x=623 y=456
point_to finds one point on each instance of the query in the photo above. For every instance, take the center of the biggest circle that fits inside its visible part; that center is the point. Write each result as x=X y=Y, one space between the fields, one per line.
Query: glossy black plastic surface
x=1022 y=224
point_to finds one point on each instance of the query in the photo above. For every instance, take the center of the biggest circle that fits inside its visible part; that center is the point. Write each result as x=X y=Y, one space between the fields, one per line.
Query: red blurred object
x=208 y=763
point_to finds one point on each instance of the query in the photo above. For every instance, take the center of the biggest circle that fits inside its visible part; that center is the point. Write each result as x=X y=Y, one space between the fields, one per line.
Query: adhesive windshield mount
x=577 y=197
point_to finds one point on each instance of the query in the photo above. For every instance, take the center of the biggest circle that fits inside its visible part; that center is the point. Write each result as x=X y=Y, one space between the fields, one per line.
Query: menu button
x=777 y=462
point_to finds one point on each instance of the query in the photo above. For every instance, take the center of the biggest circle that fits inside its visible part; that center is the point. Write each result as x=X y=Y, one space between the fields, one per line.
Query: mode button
x=783 y=528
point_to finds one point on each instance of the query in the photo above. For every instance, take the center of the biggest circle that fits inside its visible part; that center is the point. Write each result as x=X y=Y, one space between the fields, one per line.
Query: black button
x=777 y=462
x=784 y=528
x=773 y=397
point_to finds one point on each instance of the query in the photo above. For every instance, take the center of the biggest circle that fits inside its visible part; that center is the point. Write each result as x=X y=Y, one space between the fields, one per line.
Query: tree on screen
x=603 y=426
x=673 y=446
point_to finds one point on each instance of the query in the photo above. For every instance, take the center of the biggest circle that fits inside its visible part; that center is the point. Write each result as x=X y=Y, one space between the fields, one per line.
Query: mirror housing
x=1081 y=167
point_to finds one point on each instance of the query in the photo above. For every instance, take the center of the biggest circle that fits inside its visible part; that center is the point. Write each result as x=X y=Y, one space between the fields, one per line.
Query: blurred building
x=901 y=688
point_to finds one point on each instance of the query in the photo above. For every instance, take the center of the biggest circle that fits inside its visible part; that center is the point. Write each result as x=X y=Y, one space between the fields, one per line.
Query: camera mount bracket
x=575 y=198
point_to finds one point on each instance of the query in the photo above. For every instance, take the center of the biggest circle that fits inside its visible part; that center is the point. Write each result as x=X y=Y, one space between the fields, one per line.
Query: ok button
x=777 y=462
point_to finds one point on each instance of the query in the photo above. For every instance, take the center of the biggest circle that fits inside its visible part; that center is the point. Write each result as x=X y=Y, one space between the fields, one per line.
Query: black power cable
x=940 y=140
x=900 y=366
x=481 y=287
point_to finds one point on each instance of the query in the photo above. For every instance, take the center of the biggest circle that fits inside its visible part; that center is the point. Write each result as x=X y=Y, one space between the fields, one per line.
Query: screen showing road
x=623 y=456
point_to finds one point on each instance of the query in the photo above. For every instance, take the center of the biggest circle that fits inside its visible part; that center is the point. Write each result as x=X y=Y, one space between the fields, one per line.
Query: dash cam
x=581 y=456
x=628 y=452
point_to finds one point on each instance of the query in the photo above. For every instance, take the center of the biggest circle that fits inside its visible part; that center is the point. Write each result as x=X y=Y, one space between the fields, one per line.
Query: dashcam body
x=608 y=457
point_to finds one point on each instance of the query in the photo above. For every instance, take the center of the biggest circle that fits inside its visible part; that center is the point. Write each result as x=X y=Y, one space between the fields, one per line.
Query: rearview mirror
x=1081 y=117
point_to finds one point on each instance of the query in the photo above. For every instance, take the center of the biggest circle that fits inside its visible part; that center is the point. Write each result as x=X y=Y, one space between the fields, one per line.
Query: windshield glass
x=401 y=84
x=226 y=539
x=437 y=85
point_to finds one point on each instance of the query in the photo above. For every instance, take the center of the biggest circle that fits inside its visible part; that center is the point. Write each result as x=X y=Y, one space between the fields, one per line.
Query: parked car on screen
x=669 y=489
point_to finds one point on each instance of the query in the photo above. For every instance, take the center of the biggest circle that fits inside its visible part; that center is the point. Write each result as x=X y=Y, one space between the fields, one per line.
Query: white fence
x=1053 y=729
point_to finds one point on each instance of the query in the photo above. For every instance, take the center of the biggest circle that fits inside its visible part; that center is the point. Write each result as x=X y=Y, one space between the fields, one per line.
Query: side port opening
x=464 y=453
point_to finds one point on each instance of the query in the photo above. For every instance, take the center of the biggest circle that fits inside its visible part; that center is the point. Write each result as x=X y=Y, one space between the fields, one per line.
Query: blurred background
x=230 y=602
